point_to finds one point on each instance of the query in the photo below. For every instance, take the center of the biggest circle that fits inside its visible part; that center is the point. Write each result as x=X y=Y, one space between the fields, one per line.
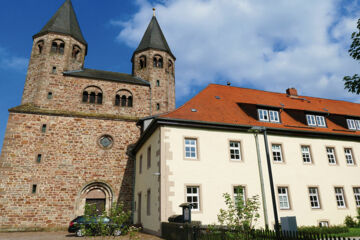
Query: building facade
x=214 y=144
x=69 y=141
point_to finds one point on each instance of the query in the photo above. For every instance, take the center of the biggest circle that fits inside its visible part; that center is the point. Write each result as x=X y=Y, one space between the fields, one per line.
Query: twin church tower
x=69 y=141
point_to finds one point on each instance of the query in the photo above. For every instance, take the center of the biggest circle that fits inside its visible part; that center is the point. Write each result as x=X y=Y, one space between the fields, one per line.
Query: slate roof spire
x=64 y=22
x=154 y=38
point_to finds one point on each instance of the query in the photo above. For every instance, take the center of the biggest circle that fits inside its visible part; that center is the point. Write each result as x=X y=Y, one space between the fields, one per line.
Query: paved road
x=62 y=236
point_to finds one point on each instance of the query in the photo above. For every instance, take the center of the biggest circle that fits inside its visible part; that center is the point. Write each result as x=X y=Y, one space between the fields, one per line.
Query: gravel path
x=63 y=236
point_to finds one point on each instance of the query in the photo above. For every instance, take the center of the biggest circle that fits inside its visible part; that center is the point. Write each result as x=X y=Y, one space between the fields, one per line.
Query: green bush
x=350 y=222
x=323 y=230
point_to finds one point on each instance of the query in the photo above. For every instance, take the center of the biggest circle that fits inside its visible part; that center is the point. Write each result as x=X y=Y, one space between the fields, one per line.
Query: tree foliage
x=240 y=215
x=352 y=83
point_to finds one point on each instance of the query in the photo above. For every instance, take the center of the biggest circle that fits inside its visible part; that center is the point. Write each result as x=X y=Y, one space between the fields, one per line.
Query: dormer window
x=353 y=124
x=315 y=120
x=269 y=115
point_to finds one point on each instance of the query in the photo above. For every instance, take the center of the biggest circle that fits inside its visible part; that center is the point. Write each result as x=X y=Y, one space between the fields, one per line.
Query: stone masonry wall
x=165 y=93
x=41 y=64
x=71 y=158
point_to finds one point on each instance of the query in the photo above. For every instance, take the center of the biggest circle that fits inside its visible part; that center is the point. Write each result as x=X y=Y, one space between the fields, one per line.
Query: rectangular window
x=269 y=115
x=283 y=198
x=320 y=121
x=311 y=120
x=190 y=148
x=274 y=116
x=357 y=196
x=235 y=153
x=43 y=128
x=38 y=159
x=193 y=197
x=239 y=193
x=314 y=197
x=351 y=124
x=140 y=164
x=340 y=198
x=349 y=156
x=306 y=155
x=315 y=120
x=331 y=155
x=263 y=115
x=148 y=202
x=34 y=187
x=357 y=123
x=277 y=155
x=149 y=157
x=323 y=224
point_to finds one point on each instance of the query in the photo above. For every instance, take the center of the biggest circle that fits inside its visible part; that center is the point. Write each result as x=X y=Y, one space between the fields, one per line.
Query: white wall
x=216 y=174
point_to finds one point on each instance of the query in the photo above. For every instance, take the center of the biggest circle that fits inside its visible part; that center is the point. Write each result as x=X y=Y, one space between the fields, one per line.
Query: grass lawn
x=353 y=232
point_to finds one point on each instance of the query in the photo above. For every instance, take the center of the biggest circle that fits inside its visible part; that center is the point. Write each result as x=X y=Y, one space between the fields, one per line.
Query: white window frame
x=357 y=124
x=192 y=195
x=235 y=150
x=269 y=115
x=242 y=193
x=263 y=115
x=316 y=120
x=274 y=116
x=277 y=152
x=306 y=154
x=357 y=196
x=331 y=155
x=314 y=198
x=324 y=224
x=320 y=121
x=349 y=156
x=351 y=124
x=190 y=148
x=340 y=197
x=283 y=198
x=311 y=120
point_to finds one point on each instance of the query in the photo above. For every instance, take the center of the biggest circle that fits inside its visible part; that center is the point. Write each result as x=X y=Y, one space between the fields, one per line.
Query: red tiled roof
x=234 y=105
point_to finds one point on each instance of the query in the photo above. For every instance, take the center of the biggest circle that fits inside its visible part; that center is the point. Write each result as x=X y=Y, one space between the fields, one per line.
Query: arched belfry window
x=124 y=98
x=123 y=101
x=158 y=61
x=57 y=46
x=92 y=94
x=40 y=46
x=76 y=52
x=142 y=62
x=171 y=67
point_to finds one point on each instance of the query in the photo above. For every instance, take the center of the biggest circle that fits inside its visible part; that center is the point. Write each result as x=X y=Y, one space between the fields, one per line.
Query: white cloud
x=8 y=61
x=269 y=45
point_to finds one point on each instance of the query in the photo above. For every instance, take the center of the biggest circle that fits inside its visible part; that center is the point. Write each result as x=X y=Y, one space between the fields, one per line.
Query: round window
x=106 y=141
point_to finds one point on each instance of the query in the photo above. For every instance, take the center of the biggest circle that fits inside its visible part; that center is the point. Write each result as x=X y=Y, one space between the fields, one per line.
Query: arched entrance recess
x=96 y=193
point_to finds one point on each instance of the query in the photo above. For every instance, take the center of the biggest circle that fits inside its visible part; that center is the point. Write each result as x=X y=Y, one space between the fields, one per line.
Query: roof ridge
x=304 y=96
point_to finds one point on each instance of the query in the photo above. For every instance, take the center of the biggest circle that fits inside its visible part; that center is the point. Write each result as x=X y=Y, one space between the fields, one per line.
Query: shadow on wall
x=126 y=188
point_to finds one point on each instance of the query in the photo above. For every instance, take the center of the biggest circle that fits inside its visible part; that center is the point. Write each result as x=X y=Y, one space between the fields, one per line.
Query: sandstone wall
x=71 y=159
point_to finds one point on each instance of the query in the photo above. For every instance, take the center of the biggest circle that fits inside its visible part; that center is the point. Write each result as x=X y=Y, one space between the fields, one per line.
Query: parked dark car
x=75 y=226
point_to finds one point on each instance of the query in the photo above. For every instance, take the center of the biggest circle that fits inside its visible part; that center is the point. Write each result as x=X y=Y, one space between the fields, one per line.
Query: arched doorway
x=96 y=193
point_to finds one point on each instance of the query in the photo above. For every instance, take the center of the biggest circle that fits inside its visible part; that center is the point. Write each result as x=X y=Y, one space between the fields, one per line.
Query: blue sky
x=268 y=45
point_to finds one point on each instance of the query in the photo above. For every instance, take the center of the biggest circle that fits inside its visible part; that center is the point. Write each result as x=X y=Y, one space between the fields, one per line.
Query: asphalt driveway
x=63 y=236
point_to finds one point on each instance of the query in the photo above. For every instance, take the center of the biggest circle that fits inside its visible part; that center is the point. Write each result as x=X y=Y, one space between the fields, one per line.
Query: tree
x=240 y=216
x=353 y=83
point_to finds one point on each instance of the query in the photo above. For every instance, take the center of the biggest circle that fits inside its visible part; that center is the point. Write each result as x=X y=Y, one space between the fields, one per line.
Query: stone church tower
x=69 y=141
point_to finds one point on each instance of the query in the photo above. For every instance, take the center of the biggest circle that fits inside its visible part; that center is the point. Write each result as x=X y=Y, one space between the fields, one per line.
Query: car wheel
x=80 y=233
x=117 y=232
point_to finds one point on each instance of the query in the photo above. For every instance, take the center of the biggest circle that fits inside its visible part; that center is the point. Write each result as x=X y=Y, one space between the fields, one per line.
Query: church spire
x=64 y=22
x=154 y=38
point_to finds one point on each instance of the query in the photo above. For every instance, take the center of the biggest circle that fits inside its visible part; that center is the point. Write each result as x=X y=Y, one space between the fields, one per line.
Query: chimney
x=291 y=92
